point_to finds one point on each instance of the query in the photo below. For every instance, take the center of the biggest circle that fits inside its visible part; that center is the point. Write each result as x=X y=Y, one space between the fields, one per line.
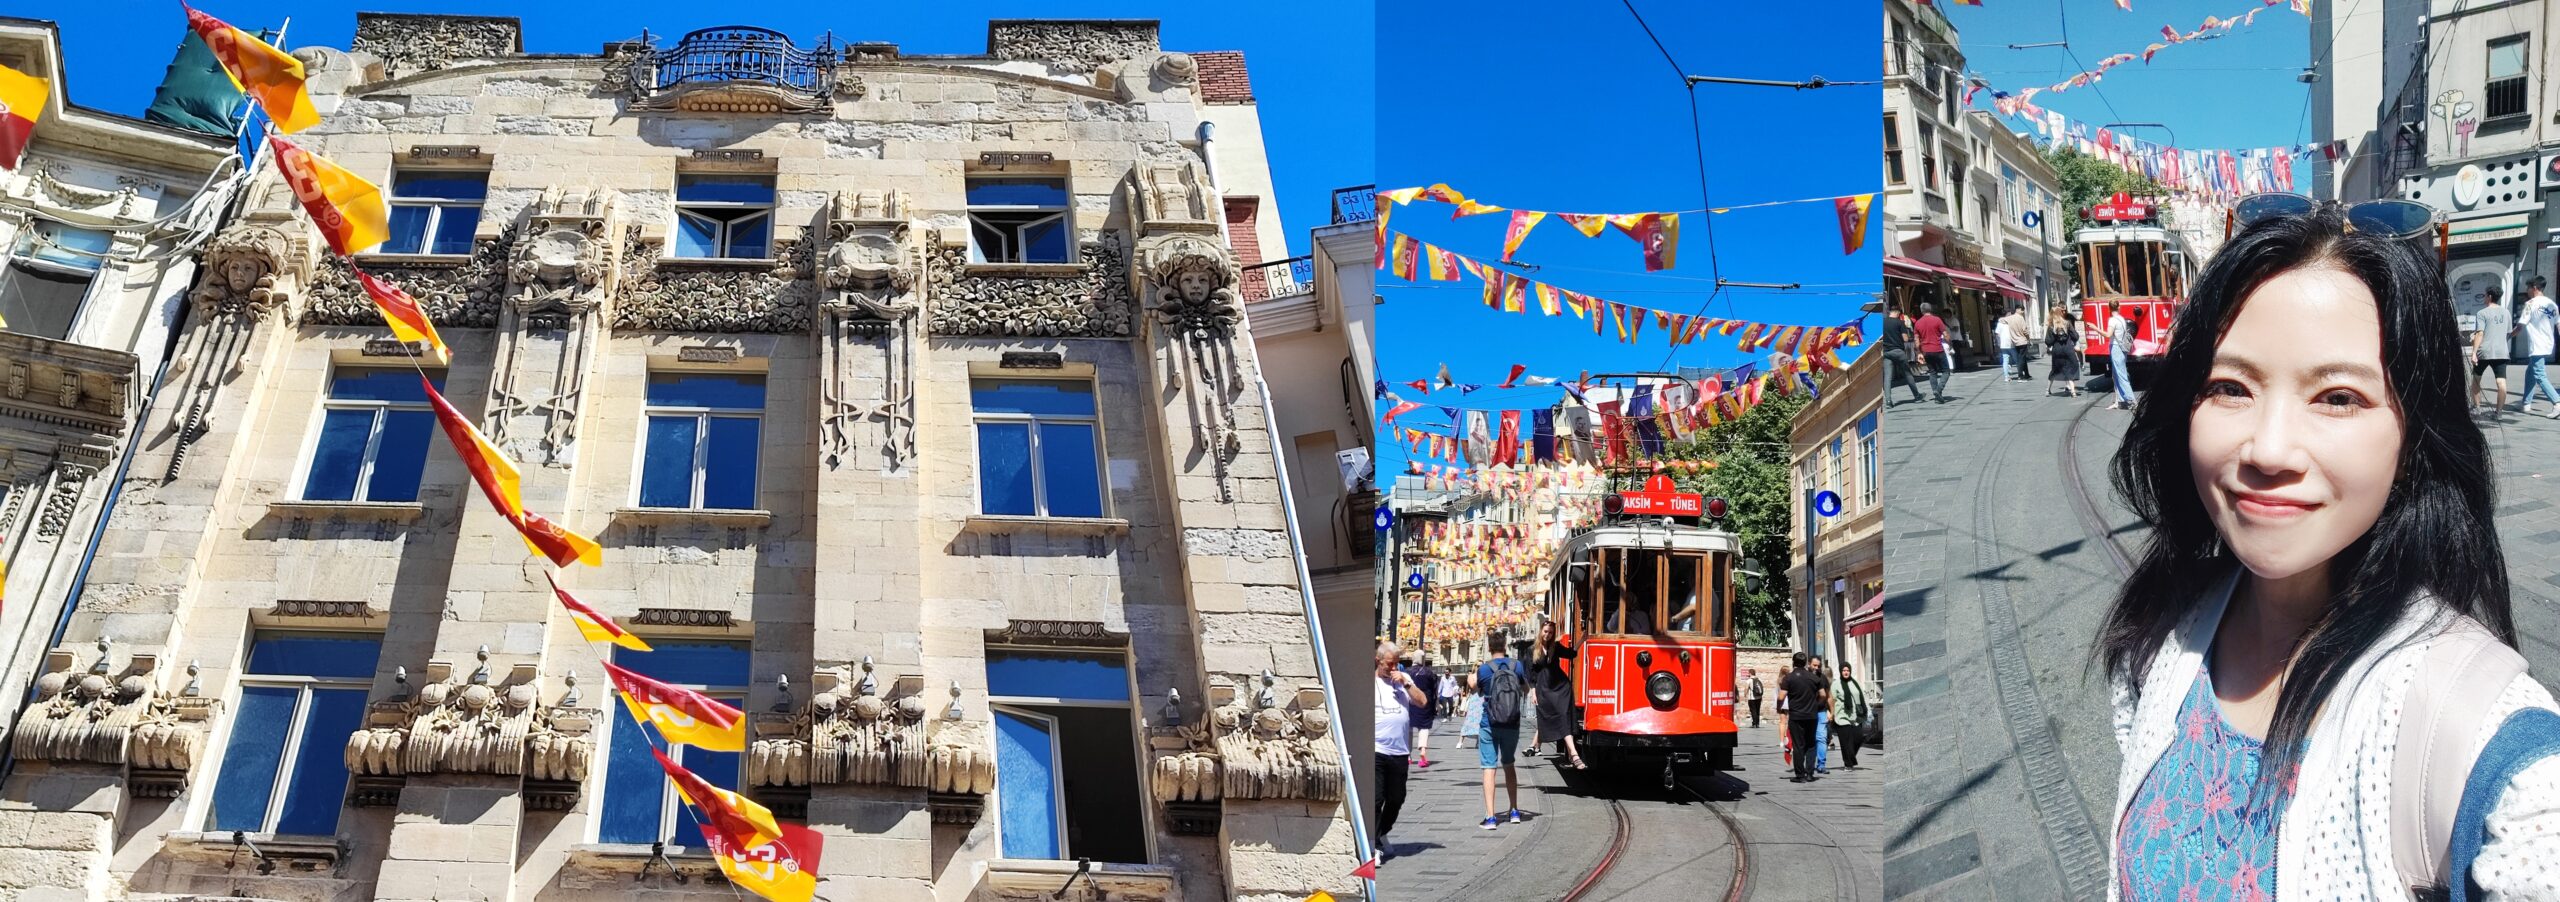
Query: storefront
x=1976 y=302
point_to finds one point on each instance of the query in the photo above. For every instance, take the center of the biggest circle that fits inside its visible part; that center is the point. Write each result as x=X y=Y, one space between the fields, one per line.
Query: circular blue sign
x=1414 y=580
x=2032 y=219
x=1826 y=503
x=1385 y=520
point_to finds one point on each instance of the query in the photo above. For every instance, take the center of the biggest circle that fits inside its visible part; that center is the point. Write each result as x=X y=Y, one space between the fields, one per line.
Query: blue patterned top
x=2192 y=832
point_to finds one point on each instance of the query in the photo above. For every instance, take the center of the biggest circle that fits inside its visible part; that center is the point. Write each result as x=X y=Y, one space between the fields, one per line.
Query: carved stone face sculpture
x=1195 y=283
x=240 y=273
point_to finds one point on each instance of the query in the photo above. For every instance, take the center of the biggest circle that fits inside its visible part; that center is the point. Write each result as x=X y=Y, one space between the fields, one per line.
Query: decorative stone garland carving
x=697 y=298
x=867 y=277
x=40 y=174
x=463 y=293
x=961 y=757
x=248 y=271
x=563 y=268
x=736 y=97
x=84 y=717
x=860 y=736
x=409 y=43
x=1093 y=303
x=63 y=498
x=1071 y=47
x=559 y=753
x=1273 y=752
x=470 y=725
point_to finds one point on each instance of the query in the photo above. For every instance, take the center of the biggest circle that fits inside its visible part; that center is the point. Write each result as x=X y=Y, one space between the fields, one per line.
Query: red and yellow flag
x=1521 y=222
x=681 y=715
x=502 y=482
x=739 y=820
x=408 y=320
x=1853 y=221
x=784 y=870
x=22 y=99
x=347 y=210
x=592 y=623
x=259 y=70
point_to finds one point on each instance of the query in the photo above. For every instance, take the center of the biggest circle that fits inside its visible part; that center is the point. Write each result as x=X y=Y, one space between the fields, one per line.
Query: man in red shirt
x=1933 y=347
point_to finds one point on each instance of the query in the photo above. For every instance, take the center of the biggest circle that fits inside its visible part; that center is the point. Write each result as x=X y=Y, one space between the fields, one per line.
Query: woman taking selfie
x=2321 y=567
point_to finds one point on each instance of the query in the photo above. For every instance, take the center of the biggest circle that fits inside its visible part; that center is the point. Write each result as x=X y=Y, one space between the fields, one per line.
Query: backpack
x=1502 y=702
x=2438 y=720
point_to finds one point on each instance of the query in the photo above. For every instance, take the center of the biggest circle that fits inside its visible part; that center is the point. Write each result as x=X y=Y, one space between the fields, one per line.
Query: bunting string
x=1413 y=259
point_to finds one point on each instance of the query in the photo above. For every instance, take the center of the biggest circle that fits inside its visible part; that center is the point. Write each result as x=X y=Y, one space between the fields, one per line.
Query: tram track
x=2082 y=505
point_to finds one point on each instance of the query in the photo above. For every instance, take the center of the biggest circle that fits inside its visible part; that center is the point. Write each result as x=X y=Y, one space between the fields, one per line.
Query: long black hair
x=2434 y=534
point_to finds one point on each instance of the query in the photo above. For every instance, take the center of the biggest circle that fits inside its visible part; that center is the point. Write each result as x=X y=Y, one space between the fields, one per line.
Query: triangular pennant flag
x=408 y=321
x=271 y=76
x=681 y=715
x=1516 y=370
x=593 y=624
x=784 y=870
x=501 y=482
x=347 y=210
x=1853 y=221
x=22 y=102
x=739 y=820
x=1521 y=222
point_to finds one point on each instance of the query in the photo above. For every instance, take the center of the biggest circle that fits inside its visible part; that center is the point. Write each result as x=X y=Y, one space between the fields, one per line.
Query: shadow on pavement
x=1969 y=783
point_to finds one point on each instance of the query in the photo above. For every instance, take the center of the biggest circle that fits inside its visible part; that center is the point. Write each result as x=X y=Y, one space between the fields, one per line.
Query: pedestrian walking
x=2492 y=342
x=2324 y=571
x=2019 y=340
x=2062 y=344
x=2007 y=340
x=1552 y=678
x=1504 y=684
x=1427 y=680
x=1932 y=333
x=1805 y=696
x=2119 y=346
x=1470 y=710
x=1849 y=715
x=1822 y=723
x=1785 y=748
x=1448 y=704
x=1396 y=697
x=2538 y=321
x=1755 y=692
x=1896 y=345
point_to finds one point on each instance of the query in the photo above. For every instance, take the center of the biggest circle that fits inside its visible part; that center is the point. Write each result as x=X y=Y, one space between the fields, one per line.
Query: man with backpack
x=1504 y=684
x=1756 y=691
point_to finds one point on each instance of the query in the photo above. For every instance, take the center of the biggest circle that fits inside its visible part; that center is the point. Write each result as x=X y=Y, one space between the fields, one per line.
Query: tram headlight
x=1662 y=687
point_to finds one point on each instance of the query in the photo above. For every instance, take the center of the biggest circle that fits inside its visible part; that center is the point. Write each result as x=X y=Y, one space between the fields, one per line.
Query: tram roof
x=2116 y=233
x=1654 y=535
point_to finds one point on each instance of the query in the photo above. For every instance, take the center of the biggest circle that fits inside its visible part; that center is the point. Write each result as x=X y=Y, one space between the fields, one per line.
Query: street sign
x=1385 y=520
x=2032 y=219
x=1413 y=581
x=1827 y=503
x=1661 y=498
x=2121 y=208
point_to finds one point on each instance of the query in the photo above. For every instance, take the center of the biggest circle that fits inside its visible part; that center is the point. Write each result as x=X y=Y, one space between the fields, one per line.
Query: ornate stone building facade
x=910 y=398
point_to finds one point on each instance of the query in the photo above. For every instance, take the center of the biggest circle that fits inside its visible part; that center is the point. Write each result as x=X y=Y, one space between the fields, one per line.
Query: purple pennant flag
x=1542 y=433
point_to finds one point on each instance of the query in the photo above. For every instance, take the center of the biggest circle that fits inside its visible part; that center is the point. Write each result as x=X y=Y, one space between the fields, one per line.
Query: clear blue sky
x=1311 y=68
x=2236 y=91
x=1569 y=107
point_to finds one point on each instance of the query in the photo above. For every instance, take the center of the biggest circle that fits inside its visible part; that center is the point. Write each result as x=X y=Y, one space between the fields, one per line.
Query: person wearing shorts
x=1497 y=743
x=2494 y=342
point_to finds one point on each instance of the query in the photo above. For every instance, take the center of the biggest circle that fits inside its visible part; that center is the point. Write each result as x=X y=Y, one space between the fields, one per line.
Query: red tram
x=1648 y=601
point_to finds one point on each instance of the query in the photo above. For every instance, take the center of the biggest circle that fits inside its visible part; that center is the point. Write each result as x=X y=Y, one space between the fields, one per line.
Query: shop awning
x=1911 y=270
x=1868 y=618
x=2016 y=288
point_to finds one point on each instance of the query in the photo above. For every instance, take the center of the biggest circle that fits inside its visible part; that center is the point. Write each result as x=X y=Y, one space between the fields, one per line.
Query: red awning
x=2011 y=285
x=1912 y=270
x=1868 y=618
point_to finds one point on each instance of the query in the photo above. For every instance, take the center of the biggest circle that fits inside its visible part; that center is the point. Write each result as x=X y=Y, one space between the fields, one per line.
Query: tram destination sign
x=1661 y=499
x=2121 y=208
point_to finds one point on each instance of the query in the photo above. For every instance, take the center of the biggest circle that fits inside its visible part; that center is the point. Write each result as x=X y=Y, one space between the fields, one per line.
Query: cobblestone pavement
x=1995 y=585
x=1807 y=841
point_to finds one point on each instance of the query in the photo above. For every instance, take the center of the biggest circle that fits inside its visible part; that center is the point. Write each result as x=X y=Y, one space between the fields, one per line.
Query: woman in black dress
x=1552 y=678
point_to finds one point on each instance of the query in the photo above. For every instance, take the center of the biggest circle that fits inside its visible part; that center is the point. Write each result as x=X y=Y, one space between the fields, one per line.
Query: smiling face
x=2296 y=438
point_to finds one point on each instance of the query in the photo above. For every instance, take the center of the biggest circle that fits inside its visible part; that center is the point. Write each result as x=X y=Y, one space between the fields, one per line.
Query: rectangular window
x=1066 y=755
x=433 y=211
x=1892 y=149
x=1039 y=448
x=1839 y=470
x=2508 y=66
x=1901 y=50
x=375 y=429
x=638 y=806
x=1867 y=461
x=724 y=216
x=1928 y=156
x=284 y=769
x=1020 y=220
x=48 y=276
x=700 y=448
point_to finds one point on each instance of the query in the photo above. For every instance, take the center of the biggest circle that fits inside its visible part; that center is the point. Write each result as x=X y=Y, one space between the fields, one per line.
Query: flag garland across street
x=1413 y=259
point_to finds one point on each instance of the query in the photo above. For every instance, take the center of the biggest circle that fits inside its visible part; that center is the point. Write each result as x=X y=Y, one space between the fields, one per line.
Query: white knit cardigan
x=2334 y=841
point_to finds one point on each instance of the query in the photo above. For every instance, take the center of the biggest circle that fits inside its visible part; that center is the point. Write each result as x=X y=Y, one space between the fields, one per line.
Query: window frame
x=670 y=817
x=1015 y=704
x=2519 y=84
x=436 y=207
x=22 y=252
x=289 y=756
x=1037 y=464
x=1063 y=213
x=373 y=438
x=1893 y=168
x=722 y=241
x=702 y=417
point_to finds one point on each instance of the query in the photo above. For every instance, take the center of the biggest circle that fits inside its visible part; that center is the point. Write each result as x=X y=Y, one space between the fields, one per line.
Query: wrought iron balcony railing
x=737 y=53
x=1355 y=204
x=1279 y=279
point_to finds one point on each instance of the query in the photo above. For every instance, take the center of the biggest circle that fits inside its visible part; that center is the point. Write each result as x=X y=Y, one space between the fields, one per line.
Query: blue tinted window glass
x=729 y=189
x=1068 y=470
x=453 y=230
x=634 y=785
x=750 y=237
x=1004 y=469
x=1031 y=396
x=337 y=459
x=1867 y=425
x=441 y=185
x=258 y=732
x=689 y=662
x=1017 y=193
x=1046 y=242
x=317 y=789
x=1072 y=675
x=401 y=455
x=721 y=768
x=67 y=246
x=1027 y=785
x=696 y=236
x=365 y=383
x=350 y=656
x=729 y=464
x=408 y=230
x=722 y=390
x=666 y=469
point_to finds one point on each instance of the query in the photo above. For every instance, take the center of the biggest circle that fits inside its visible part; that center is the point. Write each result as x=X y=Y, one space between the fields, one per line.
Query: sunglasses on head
x=2394 y=218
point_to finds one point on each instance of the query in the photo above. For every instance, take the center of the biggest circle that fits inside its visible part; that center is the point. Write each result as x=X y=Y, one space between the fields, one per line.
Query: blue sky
x=2236 y=91
x=1569 y=107
x=1311 y=69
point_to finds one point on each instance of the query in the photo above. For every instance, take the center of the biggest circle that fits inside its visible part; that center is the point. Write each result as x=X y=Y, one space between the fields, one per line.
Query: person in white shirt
x=2538 y=323
x=1397 y=696
x=2010 y=365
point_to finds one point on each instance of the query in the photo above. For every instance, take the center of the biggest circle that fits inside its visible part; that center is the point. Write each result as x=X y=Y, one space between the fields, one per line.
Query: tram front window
x=1684 y=583
x=1638 y=592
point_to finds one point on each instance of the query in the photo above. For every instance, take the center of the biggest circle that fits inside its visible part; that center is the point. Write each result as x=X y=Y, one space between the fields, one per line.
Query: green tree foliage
x=1751 y=474
x=2087 y=180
